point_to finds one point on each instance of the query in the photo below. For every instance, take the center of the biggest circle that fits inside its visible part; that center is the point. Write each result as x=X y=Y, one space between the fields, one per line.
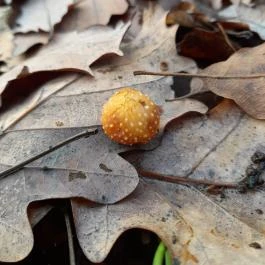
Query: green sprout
x=162 y=255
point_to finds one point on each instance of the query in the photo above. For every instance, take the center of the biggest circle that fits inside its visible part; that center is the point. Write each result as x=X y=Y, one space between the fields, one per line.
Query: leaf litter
x=246 y=88
x=71 y=165
x=196 y=226
x=223 y=144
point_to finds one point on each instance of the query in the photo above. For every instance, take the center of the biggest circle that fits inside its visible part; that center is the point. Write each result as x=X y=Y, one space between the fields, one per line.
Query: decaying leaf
x=119 y=74
x=253 y=16
x=89 y=168
x=144 y=208
x=11 y=115
x=217 y=147
x=72 y=109
x=42 y=15
x=217 y=4
x=198 y=228
x=25 y=41
x=72 y=173
x=6 y=35
x=185 y=14
x=72 y=51
x=87 y=13
x=246 y=91
x=205 y=45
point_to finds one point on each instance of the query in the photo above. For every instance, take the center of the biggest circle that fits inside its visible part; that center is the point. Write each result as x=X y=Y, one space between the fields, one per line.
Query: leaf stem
x=184 y=180
x=19 y=166
x=140 y=72
x=226 y=38
x=69 y=237
x=159 y=254
x=167 y=258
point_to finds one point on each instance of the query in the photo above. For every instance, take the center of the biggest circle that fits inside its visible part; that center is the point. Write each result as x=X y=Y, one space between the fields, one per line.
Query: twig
x=184 y=180
x=140 y=72
x=69 y=237
x=227 y=40
x=19 y=166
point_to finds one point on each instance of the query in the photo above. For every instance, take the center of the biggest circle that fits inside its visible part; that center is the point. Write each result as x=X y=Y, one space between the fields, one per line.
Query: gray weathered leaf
x=144 y=208
x=253 y=16
x=217 y=147
x=23 y=42
x=36 y=15
x=87 y=13
x=6 y=35
x=245 y=85
x=89 y=168
x=72 y=51
x=120 y=74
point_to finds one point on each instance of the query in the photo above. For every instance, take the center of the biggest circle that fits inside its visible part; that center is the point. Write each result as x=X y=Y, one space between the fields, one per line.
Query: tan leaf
x=217 y=4
x=144 y=208
x=23 y=42
x=253 y=16
x=87 y=13
x=248 y=92
x=89 y=168
x=219 y=147
x=6 y=35
x=120 y=74
x=42 y=15
x=72 y=51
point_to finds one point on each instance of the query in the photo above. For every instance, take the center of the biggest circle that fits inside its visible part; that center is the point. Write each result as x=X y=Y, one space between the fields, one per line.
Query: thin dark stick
x=227 y=40
x=69 y=237
x=198 y=75
x=17 y=167
x=184 y=180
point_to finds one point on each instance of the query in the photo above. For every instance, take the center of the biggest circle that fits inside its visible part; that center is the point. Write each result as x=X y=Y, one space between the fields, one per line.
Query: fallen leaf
x=81 y=108
x=253 y=16
x=247 y=92
x=6 y=35
x=65 y=173
x=218 y=4
x=90 y=168
x=185 y=14
x=81 y=179
x=120 y=74
x=23 y=42
x=144 y=208
x=87 y=13
x=36 y=15
x=217 y=147
x=11 y=115
x=205 y=45
x=72 y=51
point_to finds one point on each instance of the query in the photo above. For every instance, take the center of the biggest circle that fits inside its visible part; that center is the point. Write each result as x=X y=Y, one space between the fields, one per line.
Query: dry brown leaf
x=77 y=106
x=72 y=51
x=219 y=147
x=25 y=41
x=119 y=74
x=6 y=35
x=144 y=208
x=87 y=13
x=253 y=16
x=36 y=15
x=247 y=92
x=67 y=172
x=217 y=4
x=200 y=44
x=81 y=179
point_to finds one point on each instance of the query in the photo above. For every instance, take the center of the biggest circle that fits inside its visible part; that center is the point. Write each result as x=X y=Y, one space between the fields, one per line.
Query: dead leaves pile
x=57 y=90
